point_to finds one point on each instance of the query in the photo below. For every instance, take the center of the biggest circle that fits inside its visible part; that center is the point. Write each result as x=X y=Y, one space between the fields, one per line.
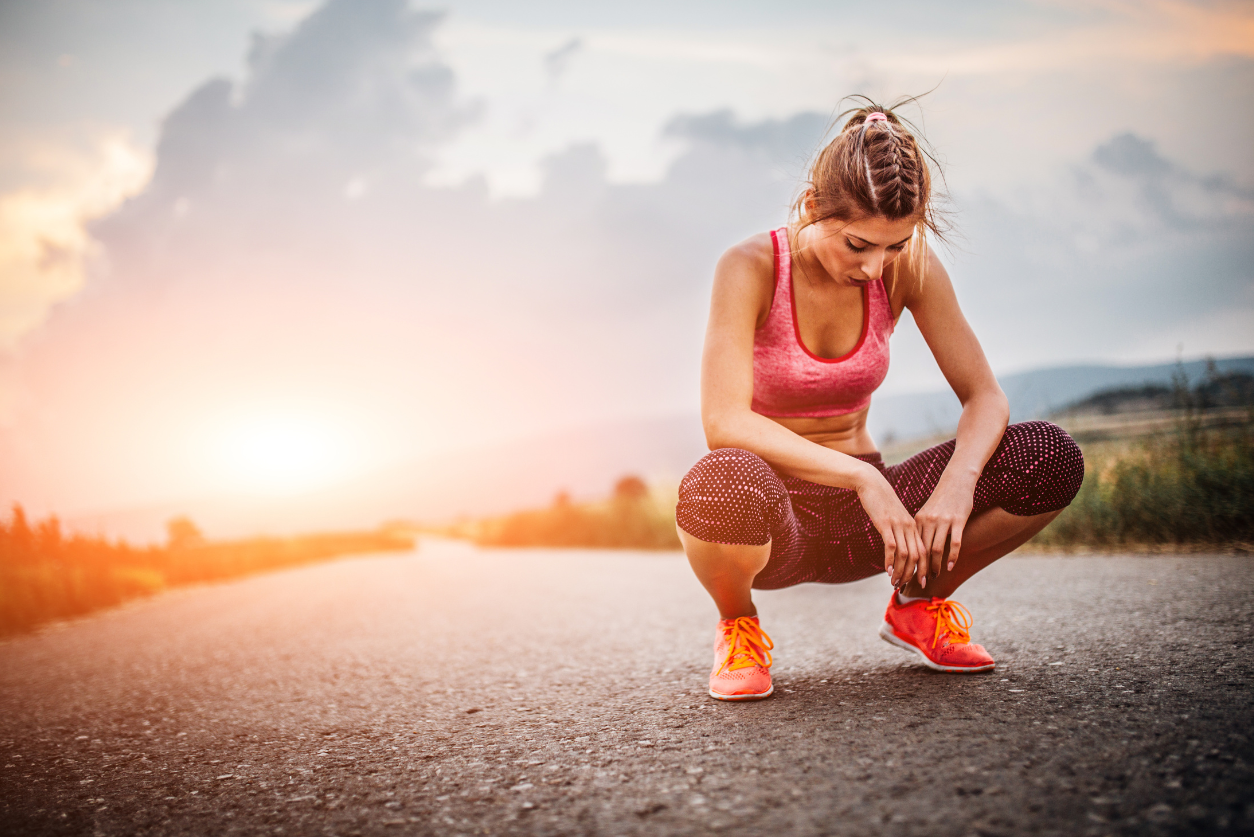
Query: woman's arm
x=985 y=410
x=743 y=286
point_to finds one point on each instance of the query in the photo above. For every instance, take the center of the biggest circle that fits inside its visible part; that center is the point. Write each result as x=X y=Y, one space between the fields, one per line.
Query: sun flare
x=282 y=454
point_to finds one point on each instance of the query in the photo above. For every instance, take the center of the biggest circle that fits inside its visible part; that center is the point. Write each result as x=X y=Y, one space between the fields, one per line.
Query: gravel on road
x=458 y=690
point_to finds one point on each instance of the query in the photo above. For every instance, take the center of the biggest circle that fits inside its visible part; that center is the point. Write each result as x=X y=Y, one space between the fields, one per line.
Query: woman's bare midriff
x=847 y=433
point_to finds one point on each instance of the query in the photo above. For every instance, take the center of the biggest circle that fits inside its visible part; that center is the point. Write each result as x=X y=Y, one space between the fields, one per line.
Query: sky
x=261 y=246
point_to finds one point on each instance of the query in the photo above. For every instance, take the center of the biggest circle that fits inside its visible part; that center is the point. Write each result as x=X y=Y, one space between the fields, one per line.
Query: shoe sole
x=888 y=635
x=765 y=694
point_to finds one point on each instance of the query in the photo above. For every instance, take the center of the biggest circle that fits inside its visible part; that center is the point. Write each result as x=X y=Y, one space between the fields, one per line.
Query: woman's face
x=858 y=251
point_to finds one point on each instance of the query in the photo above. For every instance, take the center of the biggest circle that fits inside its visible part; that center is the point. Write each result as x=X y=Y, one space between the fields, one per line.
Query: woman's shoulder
x=745 y=278
x=750 y=261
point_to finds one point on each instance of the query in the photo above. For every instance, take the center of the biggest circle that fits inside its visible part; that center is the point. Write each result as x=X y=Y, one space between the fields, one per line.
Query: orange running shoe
x=938 y=630
x=742 y=661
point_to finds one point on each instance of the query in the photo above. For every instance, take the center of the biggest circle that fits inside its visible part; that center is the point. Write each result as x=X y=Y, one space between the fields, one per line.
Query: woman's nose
x=873 y=266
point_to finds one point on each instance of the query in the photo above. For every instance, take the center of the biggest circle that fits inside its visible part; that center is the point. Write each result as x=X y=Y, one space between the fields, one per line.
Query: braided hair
x=873 y=168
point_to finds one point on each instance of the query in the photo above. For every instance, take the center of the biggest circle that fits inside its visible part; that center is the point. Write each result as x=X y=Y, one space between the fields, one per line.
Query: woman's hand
x=903 y=548
x=942 y=518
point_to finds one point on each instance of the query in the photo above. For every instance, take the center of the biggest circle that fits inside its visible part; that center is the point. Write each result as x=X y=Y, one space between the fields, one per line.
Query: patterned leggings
x=821 y=533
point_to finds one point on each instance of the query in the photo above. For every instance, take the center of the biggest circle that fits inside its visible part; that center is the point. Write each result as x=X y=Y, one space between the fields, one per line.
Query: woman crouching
x=794 y=490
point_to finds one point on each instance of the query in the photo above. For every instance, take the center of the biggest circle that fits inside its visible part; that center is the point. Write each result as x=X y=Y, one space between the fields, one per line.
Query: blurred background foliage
x=47 y=574
x=1183 y=479
x=1165 y=468
x=634 y=517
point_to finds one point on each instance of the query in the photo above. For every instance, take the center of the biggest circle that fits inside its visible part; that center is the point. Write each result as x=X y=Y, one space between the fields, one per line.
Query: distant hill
x=586 y=461
x=1036 y=394
x=1224 y=389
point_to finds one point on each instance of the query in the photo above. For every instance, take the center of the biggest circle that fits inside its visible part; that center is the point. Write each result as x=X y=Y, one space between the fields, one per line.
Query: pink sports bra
x=790 y=381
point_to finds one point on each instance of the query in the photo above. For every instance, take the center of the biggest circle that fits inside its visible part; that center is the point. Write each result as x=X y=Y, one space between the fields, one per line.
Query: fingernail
x=923 y=582
x=951 y=565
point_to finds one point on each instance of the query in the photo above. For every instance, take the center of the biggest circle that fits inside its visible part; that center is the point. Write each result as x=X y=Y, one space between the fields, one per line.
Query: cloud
x=558 y=61
x=1114 y=32
x=290 y=257
x=44 y=243
x=795 y=139
x=1131 y=156
x=288 y=251
x=1126 y=251
x=1173 y=194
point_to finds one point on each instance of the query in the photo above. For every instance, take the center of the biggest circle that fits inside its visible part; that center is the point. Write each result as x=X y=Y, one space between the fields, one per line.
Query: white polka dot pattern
x=820 y=533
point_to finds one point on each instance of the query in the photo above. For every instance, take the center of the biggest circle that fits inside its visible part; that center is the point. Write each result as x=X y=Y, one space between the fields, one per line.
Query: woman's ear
x=809 y=203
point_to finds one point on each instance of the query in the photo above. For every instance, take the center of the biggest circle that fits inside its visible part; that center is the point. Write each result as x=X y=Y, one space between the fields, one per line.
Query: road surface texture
x=464 y=691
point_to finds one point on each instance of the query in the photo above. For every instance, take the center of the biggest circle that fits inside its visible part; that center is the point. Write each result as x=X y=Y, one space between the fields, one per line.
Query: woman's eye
x=853 y=247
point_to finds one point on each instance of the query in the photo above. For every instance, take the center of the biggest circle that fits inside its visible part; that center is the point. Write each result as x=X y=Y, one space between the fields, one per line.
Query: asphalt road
x=563 y=692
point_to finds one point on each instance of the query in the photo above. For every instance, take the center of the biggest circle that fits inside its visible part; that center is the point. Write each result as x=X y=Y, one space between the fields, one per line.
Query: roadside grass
x=634 y=517
x=1190 y=487
x=46 y=574
x=1181 y=480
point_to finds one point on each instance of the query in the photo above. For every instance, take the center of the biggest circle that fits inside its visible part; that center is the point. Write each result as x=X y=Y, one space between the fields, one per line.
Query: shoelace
x=952 y=619
x=747 y=645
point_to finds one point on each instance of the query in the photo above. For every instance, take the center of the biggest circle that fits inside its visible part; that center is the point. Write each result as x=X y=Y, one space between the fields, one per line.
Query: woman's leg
x=726 y=571
x=989 y=535
x=1031 y=477
x=732 y=510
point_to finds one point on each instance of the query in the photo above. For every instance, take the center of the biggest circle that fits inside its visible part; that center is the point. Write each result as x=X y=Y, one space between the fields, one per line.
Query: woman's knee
x=727 y=467
x=1054 y=458
x=724 y=498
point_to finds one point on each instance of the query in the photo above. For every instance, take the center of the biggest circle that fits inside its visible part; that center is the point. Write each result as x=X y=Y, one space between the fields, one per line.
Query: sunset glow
x=400 y=265
x=277 y=453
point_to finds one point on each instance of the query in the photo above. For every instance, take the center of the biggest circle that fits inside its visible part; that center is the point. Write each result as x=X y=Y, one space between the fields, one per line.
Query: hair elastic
x=876 y=117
